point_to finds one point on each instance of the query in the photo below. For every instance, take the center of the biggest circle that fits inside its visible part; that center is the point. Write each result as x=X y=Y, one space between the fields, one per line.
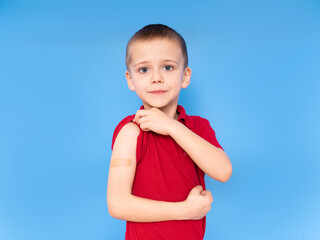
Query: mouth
x=157 y=92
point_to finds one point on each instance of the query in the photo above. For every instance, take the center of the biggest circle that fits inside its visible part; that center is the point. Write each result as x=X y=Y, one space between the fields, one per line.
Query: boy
x=160 y=154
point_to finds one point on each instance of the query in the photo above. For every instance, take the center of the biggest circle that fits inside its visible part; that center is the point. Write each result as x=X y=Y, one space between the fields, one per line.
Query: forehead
x=155 y=49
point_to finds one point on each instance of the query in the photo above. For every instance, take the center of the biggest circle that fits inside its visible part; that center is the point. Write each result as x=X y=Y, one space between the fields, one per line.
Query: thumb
x=197 y=189
x=203 y=193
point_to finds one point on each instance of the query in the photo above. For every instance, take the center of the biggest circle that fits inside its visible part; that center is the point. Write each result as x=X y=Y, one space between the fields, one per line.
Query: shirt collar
x=182 y=113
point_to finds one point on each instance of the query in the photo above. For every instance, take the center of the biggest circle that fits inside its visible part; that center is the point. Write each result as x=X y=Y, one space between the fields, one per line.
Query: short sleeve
x=205 y=131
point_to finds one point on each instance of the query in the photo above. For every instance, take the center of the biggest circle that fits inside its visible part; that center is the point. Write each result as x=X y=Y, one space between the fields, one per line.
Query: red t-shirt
x=165 y=172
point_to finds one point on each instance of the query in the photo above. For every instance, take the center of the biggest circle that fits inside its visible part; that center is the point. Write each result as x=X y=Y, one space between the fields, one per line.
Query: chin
x=159 y=106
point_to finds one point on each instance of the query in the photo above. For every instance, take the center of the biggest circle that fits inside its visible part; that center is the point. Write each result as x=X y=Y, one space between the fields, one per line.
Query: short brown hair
x=153 y=31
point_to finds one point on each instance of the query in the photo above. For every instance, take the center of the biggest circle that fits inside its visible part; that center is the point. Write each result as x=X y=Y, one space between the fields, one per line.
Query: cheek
x=140 y=79
x=178 y=80
x=176 y=87
x=139 y=86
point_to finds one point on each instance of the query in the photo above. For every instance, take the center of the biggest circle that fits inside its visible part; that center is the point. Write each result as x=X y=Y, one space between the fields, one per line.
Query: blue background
x=256 y=77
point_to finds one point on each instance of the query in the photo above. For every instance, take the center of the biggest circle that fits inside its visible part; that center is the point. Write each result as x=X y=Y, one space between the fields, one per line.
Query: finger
x=144 y=128
x=137 y=118
x=197 y=189
x=203 y=193
x=155 y=109
x=209 y=196
x=209 y=208
x=143 y=120
x=142 y=112
x=139 y=114
x=206 y=193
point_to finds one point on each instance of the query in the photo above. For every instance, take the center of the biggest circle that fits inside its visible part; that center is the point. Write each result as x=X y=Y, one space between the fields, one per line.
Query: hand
x=154 y=120
x=198 y=203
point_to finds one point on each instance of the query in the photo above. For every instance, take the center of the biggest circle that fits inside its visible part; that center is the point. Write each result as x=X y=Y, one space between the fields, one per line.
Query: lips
x=157 y=92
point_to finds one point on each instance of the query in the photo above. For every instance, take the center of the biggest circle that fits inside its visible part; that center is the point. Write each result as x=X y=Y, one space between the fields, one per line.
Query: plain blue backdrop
x=256 y=78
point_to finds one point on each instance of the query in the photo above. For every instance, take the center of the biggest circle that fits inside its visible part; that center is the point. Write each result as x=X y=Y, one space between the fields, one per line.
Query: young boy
x=160 y=154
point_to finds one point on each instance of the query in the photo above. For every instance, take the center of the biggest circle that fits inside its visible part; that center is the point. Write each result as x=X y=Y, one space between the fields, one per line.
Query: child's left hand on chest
x=154 y=120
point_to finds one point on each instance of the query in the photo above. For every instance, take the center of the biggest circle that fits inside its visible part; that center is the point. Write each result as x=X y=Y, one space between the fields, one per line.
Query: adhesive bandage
x=120 y=162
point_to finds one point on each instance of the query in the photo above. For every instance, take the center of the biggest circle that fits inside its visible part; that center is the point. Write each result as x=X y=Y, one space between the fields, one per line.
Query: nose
x=156 y=77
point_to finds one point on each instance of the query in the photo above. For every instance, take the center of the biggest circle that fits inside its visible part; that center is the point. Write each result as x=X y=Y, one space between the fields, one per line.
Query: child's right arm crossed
x=123 y=205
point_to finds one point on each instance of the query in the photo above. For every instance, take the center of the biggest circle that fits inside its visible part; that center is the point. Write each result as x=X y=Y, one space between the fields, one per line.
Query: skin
x=156 y=73
x=119 y=162
x=157 y=65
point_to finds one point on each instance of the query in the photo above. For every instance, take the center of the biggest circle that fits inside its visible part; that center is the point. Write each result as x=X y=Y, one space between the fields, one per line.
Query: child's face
x=156 y=72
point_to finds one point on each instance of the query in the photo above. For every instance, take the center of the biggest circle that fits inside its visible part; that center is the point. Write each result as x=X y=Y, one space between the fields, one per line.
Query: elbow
x=112 y=212
x=227 y=173
x=111 y=208
x=222 y=175
x=114 y=207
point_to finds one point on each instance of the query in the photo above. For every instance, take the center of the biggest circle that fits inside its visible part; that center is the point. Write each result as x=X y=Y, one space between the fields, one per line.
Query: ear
x=130 y=81
x=186 y=78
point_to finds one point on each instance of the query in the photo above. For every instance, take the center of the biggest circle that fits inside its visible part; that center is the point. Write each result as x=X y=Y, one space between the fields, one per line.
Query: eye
x=168 y=68
x=143 y=70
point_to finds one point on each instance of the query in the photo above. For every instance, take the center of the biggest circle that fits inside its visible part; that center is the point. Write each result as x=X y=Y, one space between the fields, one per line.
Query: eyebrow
x=165 y=60
x=139 y=63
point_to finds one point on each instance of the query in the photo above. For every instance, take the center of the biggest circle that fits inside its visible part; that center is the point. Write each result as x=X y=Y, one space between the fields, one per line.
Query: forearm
x=212 y=160
x=138 y=209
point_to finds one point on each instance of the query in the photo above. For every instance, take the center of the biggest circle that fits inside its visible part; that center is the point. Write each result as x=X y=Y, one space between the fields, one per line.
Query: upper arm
x=207 y=133
x=123 y=162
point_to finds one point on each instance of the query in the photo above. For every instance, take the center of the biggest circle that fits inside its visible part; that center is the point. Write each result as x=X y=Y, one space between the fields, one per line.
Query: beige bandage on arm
x=120 y=162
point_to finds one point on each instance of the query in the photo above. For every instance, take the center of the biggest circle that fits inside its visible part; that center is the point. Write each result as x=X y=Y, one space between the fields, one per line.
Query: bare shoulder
x=129 y=131
x=126 y=142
